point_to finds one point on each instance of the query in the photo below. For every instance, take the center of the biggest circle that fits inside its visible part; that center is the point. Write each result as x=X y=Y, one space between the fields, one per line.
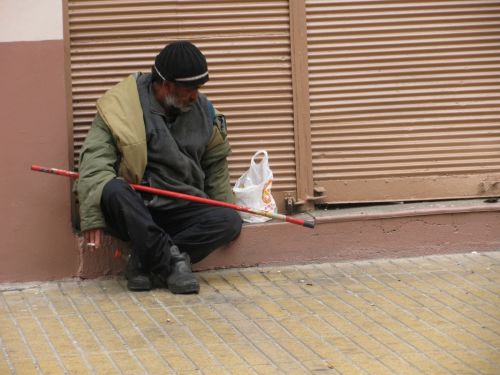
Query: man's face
x=180 y=97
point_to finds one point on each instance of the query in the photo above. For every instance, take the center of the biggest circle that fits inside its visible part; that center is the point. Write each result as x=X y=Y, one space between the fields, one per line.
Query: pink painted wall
x=37 y=242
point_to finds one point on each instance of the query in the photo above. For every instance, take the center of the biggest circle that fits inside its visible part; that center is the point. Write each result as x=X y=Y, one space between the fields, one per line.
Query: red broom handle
x=193 y=198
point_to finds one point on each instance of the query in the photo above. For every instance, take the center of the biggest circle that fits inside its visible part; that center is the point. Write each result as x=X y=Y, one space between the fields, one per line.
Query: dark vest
x=175 y=146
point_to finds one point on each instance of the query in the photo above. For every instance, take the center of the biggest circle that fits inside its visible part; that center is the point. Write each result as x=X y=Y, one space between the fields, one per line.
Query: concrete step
x=377 y=231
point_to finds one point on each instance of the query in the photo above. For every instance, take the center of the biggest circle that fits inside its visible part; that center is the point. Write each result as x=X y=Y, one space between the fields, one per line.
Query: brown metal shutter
x=405 y=98
x=247 y=45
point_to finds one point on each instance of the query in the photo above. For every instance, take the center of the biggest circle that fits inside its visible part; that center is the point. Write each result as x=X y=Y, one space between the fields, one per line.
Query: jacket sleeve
x=98 y=160
x=214 y=163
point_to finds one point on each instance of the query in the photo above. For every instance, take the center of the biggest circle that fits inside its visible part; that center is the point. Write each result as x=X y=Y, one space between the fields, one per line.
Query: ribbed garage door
x=405 y=98
x=247 y=44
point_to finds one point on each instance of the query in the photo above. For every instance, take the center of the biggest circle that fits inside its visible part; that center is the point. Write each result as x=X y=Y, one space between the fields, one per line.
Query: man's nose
x=193 y=95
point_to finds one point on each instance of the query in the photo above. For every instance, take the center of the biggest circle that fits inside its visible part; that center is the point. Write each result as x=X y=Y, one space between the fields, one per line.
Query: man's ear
x=159 y=87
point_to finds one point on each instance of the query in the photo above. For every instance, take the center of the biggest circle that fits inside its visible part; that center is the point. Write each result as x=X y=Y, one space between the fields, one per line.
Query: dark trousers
x=195 y=228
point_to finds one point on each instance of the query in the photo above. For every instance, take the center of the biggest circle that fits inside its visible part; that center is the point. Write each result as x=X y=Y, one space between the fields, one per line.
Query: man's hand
x=93 y=238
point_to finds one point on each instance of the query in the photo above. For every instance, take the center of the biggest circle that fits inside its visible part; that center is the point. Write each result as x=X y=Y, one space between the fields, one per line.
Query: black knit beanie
x=183 y=63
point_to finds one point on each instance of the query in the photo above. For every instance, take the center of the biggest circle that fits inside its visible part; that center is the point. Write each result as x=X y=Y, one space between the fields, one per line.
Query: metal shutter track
x=247 y=44
x=403 y=89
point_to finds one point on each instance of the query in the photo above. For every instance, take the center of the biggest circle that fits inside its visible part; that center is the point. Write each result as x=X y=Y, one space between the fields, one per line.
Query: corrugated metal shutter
x=247 y=45
x=405 y=98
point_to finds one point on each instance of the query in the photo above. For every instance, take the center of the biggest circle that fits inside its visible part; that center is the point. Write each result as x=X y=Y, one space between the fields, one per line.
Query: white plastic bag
x=253 y=189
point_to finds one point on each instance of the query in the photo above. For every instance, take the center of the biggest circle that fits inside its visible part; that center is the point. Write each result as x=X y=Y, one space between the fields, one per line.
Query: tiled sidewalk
x=427 y=315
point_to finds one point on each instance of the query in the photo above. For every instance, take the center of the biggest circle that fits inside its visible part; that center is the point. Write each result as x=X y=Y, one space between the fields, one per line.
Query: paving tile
x=398 y=365
x=128 y=362
x=476 y=362
x=251 y=354
x=102 y=363
x=5 y=366
x=426 y=315
x=179 y=363
x=267 y=370
x=369 y=364
x=425 y=363
x=275 y=352
x=51 y=365
x=75 y=364
x=226 y=355
x=23 y=365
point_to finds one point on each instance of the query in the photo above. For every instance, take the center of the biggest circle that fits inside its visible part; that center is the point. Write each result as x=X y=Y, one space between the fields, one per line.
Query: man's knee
x=114 y=190
x=115 y=186
x=234 y=224
x=118 y=198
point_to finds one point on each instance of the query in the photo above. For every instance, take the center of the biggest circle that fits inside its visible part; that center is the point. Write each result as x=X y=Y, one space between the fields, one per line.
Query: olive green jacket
x=116 y=147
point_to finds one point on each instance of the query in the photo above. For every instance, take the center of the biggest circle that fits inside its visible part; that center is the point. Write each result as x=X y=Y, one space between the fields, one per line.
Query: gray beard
x=170 y=101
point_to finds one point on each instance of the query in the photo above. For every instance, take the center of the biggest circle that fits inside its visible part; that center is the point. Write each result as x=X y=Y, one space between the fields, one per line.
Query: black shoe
x=181 y=279
x=178 y=278
x=137 y=279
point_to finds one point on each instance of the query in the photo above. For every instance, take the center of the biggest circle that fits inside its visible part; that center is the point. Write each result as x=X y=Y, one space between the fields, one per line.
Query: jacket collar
x=154 y=106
